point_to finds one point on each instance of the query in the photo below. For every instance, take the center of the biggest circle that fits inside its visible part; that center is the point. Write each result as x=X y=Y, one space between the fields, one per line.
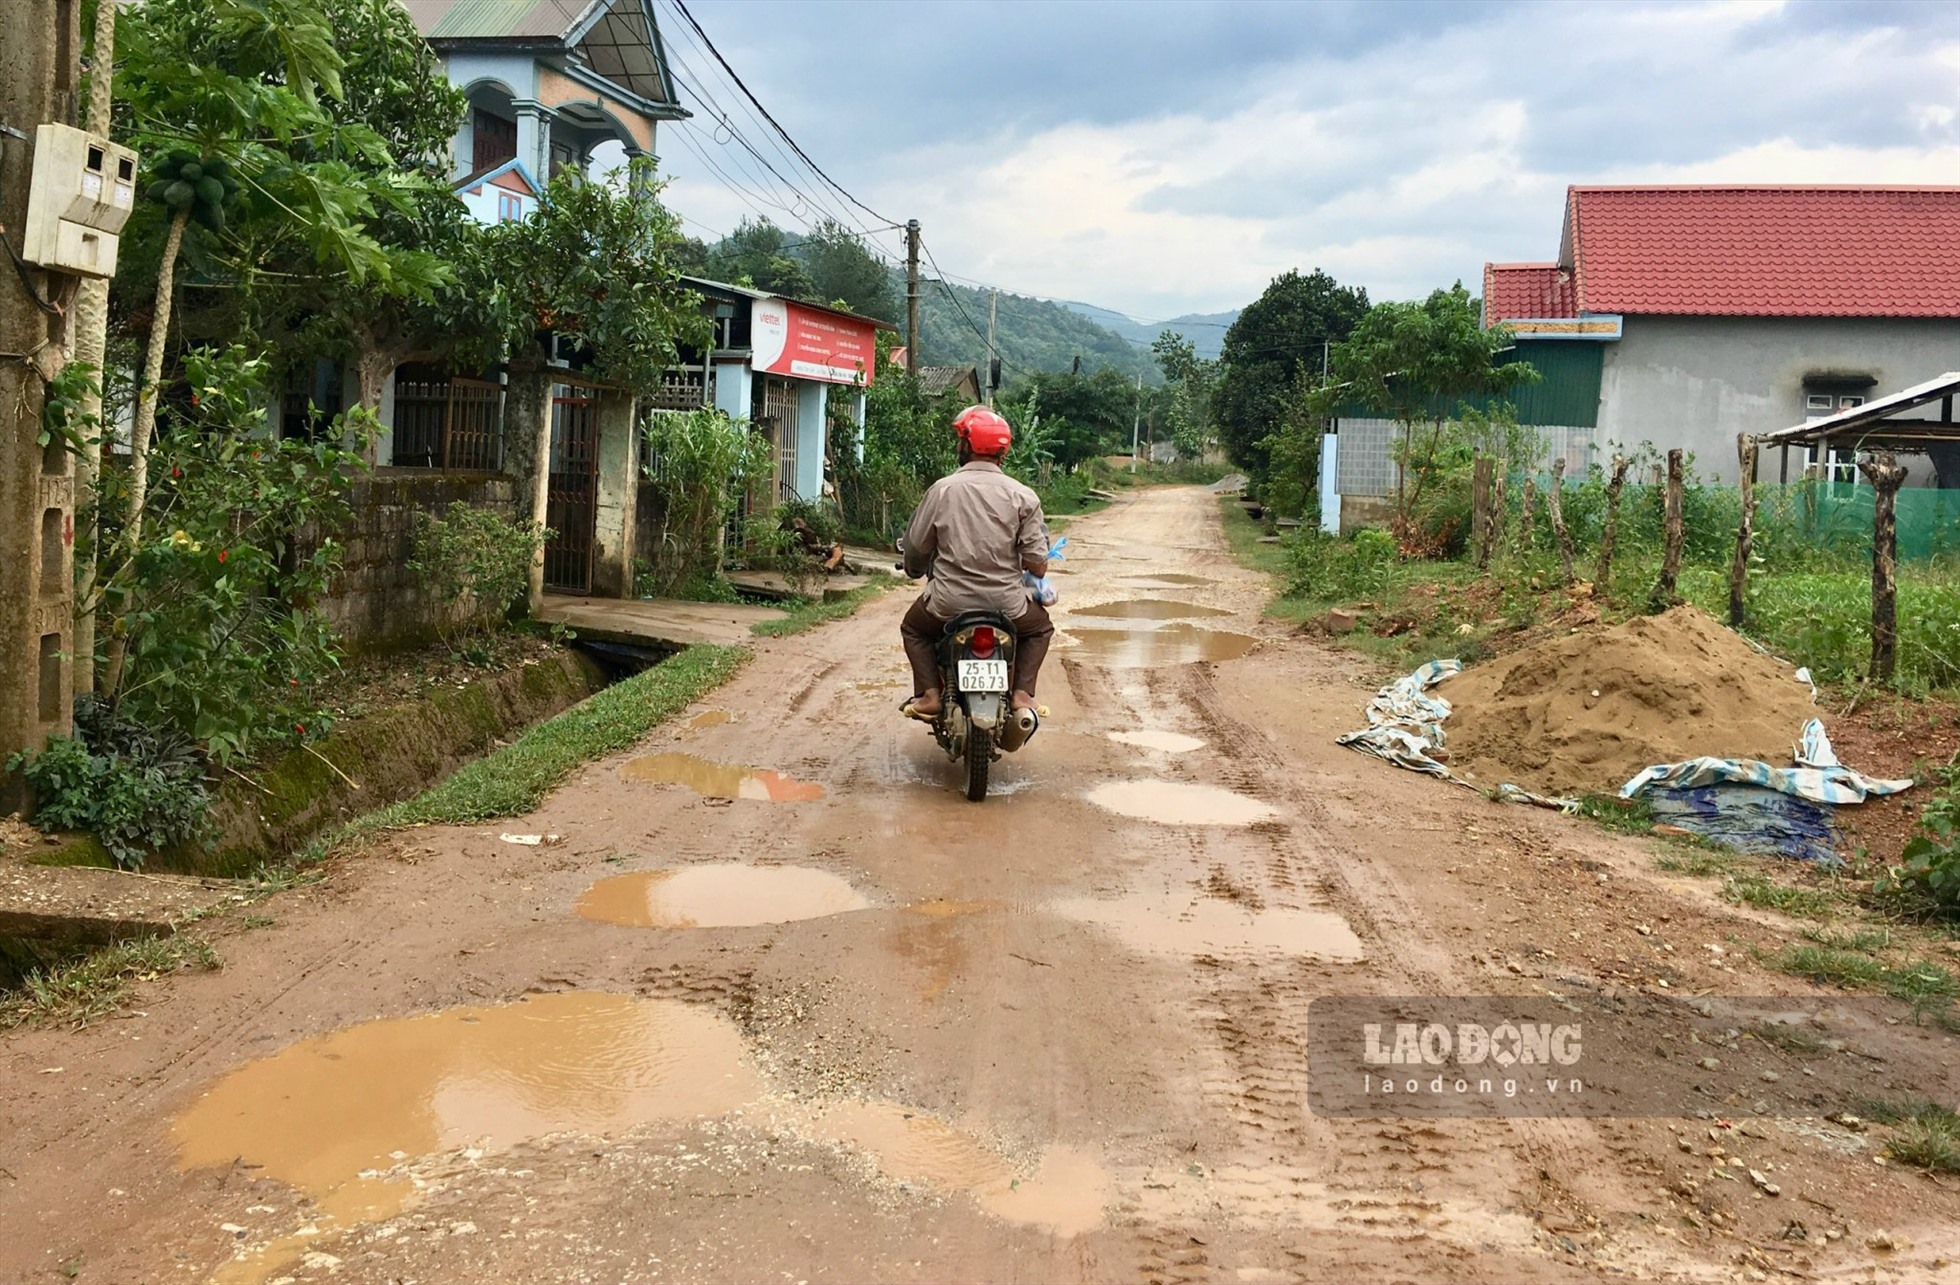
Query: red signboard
x=791 y=339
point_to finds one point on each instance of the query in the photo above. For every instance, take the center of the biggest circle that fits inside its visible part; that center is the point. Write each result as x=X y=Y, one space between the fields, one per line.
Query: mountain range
x=1205 y=330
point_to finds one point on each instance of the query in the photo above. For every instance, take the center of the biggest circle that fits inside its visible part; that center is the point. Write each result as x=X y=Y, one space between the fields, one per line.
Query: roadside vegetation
x=96 y=985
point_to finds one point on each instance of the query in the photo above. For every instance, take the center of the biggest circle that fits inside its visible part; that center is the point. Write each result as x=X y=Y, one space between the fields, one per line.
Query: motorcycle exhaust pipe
x=1014 y=733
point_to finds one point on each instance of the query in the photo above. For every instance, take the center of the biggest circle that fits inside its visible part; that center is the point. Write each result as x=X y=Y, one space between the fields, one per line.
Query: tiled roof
x=1766 y=251
x=1514 y=290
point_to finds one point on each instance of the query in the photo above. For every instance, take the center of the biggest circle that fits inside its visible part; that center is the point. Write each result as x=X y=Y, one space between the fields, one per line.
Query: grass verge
x=516 y=778
x=809 y=613
x=93 y=986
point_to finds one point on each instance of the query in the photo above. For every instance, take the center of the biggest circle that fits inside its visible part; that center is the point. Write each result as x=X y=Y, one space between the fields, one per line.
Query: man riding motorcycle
x=975 y=532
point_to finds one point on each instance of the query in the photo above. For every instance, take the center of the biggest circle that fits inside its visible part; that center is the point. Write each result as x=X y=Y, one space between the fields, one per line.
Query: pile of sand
x=1586 y=712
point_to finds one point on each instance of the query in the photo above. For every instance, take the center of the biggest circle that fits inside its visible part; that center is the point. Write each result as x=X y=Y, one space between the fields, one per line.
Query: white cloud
x=1402 y=165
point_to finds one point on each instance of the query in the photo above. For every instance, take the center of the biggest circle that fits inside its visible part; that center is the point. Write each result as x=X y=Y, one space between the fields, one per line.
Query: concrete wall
x=812 y=427
x=375 y=601
x=618 y=498
x=1695 y=382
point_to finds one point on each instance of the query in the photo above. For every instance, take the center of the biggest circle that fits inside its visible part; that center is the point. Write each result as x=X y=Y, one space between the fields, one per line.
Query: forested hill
x=1031 y=335
x=1205 y=330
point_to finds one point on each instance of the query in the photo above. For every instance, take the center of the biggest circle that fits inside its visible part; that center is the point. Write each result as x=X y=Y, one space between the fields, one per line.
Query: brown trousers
x=922 y=631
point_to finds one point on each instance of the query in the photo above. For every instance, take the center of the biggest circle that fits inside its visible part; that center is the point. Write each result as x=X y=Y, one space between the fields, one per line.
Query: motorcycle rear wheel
x=979 y=757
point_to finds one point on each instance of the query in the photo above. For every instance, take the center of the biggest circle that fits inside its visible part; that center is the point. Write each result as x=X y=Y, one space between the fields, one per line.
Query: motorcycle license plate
x=983 y=675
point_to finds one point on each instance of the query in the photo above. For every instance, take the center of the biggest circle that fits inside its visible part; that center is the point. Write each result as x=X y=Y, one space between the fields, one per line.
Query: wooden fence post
x=1745 y=532
x=1885 y=474
x=1494 y=517
x=1603 y=569
x=1480 y=506
x=1556 y=511
x=1664 y=594
x=1524 y=514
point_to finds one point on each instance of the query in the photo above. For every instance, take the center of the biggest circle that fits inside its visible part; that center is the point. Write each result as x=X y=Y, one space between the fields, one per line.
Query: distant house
x=961 y=380
x=1697 y=313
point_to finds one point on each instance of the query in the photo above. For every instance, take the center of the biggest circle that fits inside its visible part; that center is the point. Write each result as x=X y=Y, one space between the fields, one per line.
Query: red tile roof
x=1766 y=251
x=1516 y=290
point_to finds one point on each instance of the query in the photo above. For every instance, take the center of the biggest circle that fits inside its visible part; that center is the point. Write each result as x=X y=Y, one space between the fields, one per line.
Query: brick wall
x=375 y=601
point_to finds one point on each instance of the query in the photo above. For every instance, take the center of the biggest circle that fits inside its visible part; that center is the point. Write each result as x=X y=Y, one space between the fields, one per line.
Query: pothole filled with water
x=331 y=1115
x=1167 y=742
x=1178 y=803
x=1065 y=1194
x=1178 y=579
x=720 y=780
x=1149 y=609
x=338 y=1117
x=1174 y=644
x=1194 y=925
x=718 y=896
x=709 y=718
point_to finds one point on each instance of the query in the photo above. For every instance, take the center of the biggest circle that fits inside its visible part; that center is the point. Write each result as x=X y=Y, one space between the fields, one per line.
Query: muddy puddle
x=1166 y=742
x=1178 y=803
x=1065 y=1194
x=1192 y=925
x=1149 y=609
x=1173 y=644
x=708 y=718
x=1175 y=579
x=332 y=1115
x=340 y=1117
x=720 y=780
x=718 y=896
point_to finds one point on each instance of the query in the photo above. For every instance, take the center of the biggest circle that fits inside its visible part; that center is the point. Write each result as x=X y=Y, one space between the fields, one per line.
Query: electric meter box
x=84 y=188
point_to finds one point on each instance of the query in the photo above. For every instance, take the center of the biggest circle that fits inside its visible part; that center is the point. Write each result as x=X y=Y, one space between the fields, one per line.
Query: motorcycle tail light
x=983 y=642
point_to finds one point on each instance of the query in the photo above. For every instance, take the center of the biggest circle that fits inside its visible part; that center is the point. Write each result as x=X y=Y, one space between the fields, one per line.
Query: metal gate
x=445 y=421
x=572 y=499
x=779 y=408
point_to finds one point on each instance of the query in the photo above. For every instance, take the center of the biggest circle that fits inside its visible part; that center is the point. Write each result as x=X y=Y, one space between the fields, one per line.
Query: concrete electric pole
x=987 y=376
x=912 y=297
x=1136 y=423
x=40 y=69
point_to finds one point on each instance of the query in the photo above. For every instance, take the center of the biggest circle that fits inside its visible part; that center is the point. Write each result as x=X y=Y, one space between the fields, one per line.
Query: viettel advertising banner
x=793 y=340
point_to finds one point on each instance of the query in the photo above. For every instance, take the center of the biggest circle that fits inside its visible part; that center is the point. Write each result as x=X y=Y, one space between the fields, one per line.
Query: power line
x=776 y=125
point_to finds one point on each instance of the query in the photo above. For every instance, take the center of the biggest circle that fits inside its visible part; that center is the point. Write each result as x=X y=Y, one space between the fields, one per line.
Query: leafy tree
x=757 y=254
x=843 y=271
x=908 y=445
x=1190 y=381
x=1280 y=336
x=595 y=267
x=1417 y=362
x=1081 y=416
x=226 y=99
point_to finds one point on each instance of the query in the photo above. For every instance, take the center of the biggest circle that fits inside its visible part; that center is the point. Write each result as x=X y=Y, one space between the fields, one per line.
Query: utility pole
x=912 y=297
x=40 y=69
x=987 y=376
x=1136 y=423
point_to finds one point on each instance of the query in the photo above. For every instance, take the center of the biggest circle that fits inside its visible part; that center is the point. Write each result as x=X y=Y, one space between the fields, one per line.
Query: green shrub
x=137 y=790
x=1927 y=876
x=477 y=561
x=1326 y=568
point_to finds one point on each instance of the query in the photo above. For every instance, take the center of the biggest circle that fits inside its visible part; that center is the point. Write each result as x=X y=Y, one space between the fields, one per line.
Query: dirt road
x=1058 y=1036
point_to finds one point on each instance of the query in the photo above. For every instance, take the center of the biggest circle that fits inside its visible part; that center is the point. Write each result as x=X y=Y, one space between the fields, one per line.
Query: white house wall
x=1695 y=382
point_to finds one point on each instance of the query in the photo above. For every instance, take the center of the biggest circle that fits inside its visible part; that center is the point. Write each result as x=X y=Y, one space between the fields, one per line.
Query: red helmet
x=984 y=431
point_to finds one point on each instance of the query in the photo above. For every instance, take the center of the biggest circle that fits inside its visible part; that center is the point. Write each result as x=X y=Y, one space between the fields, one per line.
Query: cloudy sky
x=1161 y=158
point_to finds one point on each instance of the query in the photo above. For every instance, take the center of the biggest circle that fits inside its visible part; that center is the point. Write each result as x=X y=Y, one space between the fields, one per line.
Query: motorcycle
x=977 y=721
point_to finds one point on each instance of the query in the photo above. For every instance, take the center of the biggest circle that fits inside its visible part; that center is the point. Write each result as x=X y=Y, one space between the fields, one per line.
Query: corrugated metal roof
x=942 y=379
x=493 y=19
